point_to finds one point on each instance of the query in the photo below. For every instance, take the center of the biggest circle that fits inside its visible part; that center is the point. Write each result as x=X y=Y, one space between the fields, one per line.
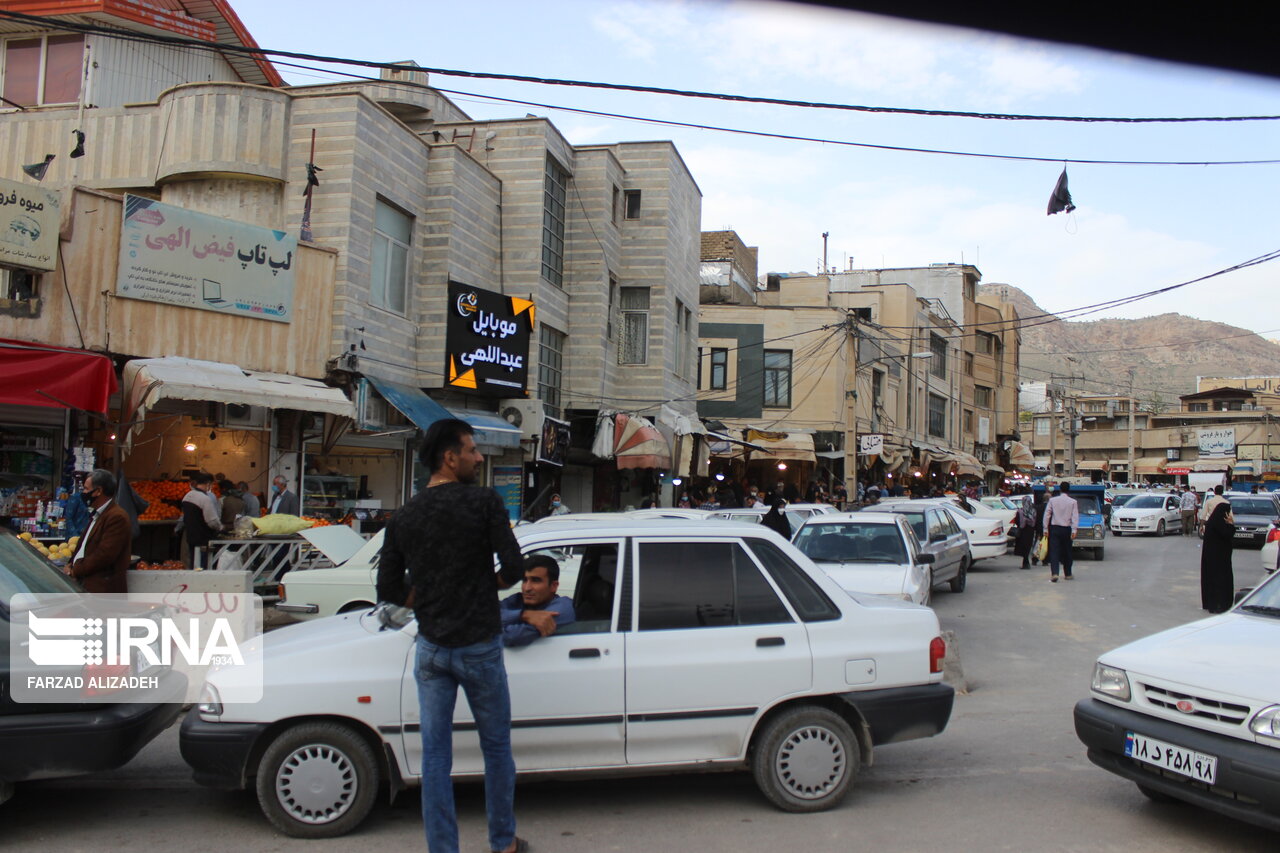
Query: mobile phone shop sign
x=487 y=341
x=181 y=257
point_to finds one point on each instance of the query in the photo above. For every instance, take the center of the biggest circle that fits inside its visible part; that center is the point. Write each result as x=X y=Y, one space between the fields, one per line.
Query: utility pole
x=1133 y=418
x=1071 y=437
x=1053 y=430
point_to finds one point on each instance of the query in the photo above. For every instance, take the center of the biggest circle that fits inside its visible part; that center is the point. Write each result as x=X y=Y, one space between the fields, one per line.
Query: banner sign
x=553 y=448
x=1217 y=443
x=870 y=445
x=487 y=341
x=181 y=257
x=29 y=220
x=508 y=482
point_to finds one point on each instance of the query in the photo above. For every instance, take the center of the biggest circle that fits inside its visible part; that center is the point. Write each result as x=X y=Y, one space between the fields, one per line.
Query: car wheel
x=804 y=759
x=1099 y=553
x=317 y=780
x=928 y=588
x=1155 y=796
x=1160 y=528
x=961 y=580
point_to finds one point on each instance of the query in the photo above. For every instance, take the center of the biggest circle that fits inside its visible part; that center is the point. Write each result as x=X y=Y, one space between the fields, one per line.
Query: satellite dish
x=513 y=416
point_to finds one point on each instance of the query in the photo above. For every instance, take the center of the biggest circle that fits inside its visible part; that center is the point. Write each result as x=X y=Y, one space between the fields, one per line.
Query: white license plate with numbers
x=1195 y=765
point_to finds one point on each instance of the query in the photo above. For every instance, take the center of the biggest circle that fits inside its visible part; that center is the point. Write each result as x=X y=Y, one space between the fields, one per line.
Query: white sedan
x=986 y=534
x=1157 y=514
x=873 y=552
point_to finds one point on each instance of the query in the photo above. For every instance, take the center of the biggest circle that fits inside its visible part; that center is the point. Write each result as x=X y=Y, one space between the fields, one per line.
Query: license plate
x=1244 y=534
x=1195 y=765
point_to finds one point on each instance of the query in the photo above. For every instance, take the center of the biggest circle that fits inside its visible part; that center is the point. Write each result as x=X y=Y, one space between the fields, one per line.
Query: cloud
x=641 y=28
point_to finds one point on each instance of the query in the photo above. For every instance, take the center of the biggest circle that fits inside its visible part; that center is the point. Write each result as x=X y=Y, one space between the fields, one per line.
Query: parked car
x=754 y=515
x=1270 y=553
x=1006 y=509
x=1253 y=516
x=874 y=552
x=1158 y=514
x=348 y=586
x=1188 y=717
x=51 y=741
x=986 y=535
x=670 y=512
x=938 y=535
x=1092 y=532
x=710 y=646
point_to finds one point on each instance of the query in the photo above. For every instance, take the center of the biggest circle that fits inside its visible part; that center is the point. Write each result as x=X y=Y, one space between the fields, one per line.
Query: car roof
x=621 y=525
x=861 y=517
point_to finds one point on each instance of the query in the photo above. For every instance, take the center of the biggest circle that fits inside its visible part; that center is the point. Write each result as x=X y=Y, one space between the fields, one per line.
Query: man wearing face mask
x=283 y=500
x=101 y=563
x=557 y=507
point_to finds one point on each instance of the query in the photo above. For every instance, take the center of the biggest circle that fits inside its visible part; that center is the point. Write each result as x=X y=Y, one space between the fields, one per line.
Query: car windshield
x=1145 y=502
x=1088 y=504
x=1121 y=500
x=852 y=542
x=1265 y=601
x=1253 y=506
x=22 y=570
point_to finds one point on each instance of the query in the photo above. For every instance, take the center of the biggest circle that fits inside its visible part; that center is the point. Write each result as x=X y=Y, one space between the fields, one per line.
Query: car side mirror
x=924 y=559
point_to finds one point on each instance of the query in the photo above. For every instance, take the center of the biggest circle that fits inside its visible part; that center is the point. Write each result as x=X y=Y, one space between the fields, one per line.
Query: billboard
x=487 y=341
x=1217 y=443
x=181 y=257
x=29 y=220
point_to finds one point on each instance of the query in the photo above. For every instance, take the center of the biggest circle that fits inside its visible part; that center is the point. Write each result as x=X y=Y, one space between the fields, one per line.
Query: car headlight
x=1267 y=722
x=1110 y=681
x=210 y=702
x=1097 y=531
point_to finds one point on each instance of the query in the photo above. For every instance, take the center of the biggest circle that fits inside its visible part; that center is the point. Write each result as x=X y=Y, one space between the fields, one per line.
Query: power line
x=653 y=90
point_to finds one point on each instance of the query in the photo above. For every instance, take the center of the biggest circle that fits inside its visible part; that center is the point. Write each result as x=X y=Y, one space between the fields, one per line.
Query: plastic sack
x=1042 y=549
x=280 y=523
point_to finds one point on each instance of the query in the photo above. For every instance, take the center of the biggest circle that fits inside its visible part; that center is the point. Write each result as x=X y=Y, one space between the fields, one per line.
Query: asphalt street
x=1008 y=773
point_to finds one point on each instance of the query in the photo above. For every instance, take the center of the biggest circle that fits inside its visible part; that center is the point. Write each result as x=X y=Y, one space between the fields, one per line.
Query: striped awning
x=638 y=444
x=1150 y=465
x=1093 y=465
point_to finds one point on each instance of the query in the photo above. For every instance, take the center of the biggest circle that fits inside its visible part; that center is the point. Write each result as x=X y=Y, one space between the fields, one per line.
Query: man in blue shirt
x=535 y=611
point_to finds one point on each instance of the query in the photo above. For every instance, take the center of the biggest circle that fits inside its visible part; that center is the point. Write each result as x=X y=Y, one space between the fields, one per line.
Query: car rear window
x=808 y=599
x=1253 y=506
x=852 y=542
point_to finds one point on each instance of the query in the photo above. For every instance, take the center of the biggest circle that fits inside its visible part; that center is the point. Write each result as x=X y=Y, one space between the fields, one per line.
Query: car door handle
x=770 y=641
x=584 y=653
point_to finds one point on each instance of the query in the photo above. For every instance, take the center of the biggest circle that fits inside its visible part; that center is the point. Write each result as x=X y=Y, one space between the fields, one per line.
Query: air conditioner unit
x=525 y=414
x=241 y=416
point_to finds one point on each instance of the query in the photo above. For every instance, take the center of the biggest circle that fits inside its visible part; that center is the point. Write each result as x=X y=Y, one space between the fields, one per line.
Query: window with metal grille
x=555 y=190
x=43 y=70
x=937 y=416
x=634 y=347
x=389 y=266
x=777 y=378
x=938 y=364
x=550 y=368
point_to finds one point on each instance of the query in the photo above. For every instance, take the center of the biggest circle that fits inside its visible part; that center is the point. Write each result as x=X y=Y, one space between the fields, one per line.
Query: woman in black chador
x=1216 y=580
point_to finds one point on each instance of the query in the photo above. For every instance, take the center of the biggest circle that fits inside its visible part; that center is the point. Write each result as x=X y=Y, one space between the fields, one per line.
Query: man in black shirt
x=445 y=539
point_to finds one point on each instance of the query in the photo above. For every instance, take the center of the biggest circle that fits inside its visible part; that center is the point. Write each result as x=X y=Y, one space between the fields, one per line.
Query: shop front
x=786 y=458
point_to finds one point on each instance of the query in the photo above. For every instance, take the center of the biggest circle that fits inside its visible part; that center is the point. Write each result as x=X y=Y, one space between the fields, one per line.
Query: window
x=998 y=351
x=613 y=305
x=1140 y=422
x=937 y=416
x=634 y=348
x=937 y=526
x=808 y=599
x=389 y=267
x=877 y=390
x=43 y=70
x=1197 y=407
x=982 y=342
x=719 y=379
x=982 y=396
x=703 y=585
x=938 y=364
x=555 y=186
x=968 y=420
x=1042 y=426
x=631 y=202
x=615 y=208
x=684 y=339
x=19 y=285
x=550 y=368
x=968 y=364
x=777 y=378
x=595 y=567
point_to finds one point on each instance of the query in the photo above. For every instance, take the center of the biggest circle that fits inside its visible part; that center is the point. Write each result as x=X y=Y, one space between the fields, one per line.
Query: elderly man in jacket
x=101 y=562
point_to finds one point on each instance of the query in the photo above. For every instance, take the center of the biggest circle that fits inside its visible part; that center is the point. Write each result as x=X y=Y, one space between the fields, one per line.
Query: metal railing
x=265 y=557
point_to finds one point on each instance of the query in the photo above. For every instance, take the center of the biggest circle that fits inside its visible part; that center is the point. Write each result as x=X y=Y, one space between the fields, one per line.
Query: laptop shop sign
x=180 y=257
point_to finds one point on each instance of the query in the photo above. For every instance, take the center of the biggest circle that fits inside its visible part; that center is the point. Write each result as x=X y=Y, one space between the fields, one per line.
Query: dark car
x=1253 y=515
x=50 y=741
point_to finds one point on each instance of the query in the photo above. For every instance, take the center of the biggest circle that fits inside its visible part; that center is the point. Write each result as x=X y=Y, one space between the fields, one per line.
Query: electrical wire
x=260 y=52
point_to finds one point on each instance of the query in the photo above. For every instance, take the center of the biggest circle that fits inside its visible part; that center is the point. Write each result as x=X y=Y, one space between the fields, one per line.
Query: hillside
x=1155 y=348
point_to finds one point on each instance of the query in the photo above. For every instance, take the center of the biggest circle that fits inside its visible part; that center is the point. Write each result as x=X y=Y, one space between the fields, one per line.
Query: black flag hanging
x=1061 y=199
x=312 y=183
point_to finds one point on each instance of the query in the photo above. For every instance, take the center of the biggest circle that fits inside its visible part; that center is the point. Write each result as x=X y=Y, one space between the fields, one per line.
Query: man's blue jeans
x=479 y=670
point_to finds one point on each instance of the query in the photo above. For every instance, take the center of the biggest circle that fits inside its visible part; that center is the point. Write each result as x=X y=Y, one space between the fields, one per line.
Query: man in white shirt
x=1187 y=505
x=1061 y=520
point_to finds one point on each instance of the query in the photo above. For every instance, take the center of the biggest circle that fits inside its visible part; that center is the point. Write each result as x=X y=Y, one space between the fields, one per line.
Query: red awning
x=638 y=444
x=79 y=379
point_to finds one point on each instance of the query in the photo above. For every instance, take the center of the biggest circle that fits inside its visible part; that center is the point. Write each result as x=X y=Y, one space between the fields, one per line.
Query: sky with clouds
x=1136 y=228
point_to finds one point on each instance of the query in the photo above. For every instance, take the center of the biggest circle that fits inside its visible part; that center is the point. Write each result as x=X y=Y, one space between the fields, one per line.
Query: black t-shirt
x=445 y=538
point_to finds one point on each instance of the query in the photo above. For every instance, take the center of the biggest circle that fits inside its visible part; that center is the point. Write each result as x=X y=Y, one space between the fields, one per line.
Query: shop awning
x=1020 y=456
x=1150 y=465
x=793 y=447
x=32 y=375
x=1219 y=464
x=149 y=380
x=411 y=402
x=638 y=444
x=491 y=430
x=967 y=465
x=1092 y=465
x=1244 y=468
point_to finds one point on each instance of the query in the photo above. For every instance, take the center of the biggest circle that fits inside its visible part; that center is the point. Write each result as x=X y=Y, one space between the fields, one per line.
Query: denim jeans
x=480 y=671
x=1060 y=549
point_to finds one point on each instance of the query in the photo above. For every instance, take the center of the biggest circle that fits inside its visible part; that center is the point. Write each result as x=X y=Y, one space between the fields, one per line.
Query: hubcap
x=316 y=784
x=811 y=762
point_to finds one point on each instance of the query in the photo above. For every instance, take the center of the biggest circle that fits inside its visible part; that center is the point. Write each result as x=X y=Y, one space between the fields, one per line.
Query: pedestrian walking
x=1062 y=519
x=775 y=520
x=444 y=539
x=1187 y=505
x=1025 y=520
x=1217 y=582
x=101 y=562
x=1041 y=503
